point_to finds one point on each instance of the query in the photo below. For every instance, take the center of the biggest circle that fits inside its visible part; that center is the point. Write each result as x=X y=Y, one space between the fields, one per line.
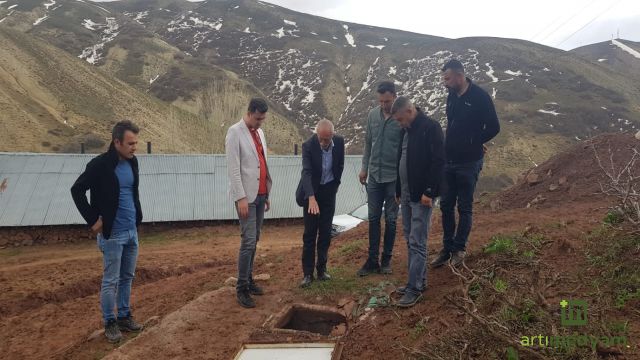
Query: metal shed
x=172 y=188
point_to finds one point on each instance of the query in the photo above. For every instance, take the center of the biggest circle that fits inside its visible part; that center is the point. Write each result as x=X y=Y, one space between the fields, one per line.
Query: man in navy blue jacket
x=322 y=166
x=471 y=122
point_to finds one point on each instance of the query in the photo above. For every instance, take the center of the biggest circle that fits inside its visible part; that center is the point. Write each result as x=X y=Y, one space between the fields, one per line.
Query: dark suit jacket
x=312 y=166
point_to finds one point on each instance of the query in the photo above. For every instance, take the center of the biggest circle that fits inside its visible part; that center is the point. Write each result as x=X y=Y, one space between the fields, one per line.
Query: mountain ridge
x=195 y=56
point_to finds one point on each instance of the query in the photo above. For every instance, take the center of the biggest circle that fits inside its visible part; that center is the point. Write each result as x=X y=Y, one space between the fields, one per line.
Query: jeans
x=317 y=230
x=250 y=235
x=119 y=253
x=460 y=184
x=379 y=195
x=416 y=220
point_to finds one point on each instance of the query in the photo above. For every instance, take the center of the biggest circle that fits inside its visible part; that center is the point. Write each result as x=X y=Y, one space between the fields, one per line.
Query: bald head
x=324 y=130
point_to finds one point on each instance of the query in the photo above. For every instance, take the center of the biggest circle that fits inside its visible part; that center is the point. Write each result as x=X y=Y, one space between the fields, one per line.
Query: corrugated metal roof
x=172 y=188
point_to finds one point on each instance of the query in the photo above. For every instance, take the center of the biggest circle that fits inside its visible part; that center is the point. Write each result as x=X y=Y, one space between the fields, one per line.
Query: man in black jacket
x=420 y=168
x=471 y=122
x=322 y=165
x=114 y=214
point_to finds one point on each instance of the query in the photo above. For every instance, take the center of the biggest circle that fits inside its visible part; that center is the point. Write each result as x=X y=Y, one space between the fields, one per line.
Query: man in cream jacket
x=249 y=186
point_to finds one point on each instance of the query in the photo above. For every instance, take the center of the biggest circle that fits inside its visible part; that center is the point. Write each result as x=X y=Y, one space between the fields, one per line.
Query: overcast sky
x=563 y=24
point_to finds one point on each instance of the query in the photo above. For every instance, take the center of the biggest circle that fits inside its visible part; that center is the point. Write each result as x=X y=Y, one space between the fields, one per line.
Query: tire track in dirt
x=91 y=286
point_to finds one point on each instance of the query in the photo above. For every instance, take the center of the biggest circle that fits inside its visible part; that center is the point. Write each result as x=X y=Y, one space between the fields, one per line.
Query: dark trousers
x=317 y=229
x=460 y=185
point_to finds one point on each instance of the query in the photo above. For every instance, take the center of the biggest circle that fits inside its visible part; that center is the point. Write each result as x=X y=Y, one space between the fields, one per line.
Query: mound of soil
x=573 y=175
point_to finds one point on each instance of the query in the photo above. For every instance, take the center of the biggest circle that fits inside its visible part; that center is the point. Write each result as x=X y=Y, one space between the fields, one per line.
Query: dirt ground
x=49 y=305
x=49 y=294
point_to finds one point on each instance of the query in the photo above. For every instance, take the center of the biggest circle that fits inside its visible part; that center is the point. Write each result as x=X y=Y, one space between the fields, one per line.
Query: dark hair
x=454 y=65
x=387 y=86
x=121 y=127
x=400 y=103
x=258 y=105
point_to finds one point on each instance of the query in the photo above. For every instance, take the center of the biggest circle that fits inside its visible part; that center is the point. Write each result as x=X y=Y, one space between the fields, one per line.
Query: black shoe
x=306 y=282
x=323 y=276
x=128 y=324
x=403 y=289
x=245 y=300
x=254 y=289
x=409 y=299
x=112 y=331
x=442 y=259
x=457 y=258
x=386 y=269
x=385 y=266
x=369 y=268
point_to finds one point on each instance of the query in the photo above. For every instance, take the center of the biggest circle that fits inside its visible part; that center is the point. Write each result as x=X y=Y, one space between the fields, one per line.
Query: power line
x=589 y=23
x=561 y=25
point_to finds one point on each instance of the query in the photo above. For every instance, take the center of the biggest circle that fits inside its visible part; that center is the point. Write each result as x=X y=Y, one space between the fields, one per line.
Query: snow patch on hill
x=108 y=33
x=348 y=36
x=137 y=16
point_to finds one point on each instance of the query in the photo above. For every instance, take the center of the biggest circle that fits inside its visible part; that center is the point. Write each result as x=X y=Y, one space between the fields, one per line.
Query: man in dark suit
x=322 y=165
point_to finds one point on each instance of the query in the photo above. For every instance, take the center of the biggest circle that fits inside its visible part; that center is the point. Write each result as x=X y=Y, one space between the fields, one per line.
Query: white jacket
x=243 y=164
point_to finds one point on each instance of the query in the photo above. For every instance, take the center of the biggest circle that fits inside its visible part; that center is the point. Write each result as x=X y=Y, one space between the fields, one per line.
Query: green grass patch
x=619 y=327
x=624 y=296
x=158 y=238
x=500 y=285
x=613 y=218
x=10 y=252
x=351 y=247
x=524 y=245
x=342 y=281
x=612 y=253
x=474 y=290
x=522 y=318
x=500 y=245
x=419 y=328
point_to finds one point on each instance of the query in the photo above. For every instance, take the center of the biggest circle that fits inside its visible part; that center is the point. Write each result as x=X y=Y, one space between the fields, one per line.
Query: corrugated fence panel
x=203 y=207
x=23 y=187
x=351 y=194
x=164 y=201
x=54 y=164
x=75 y=164
x=147 y=190
x=184 y=197
x=6 y=204
x=41 y=196
x=286 y=175
x=172 y=188
x=62 y=210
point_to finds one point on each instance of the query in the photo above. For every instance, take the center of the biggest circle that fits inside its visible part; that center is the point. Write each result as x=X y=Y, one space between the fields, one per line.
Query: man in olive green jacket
x=379 y=173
